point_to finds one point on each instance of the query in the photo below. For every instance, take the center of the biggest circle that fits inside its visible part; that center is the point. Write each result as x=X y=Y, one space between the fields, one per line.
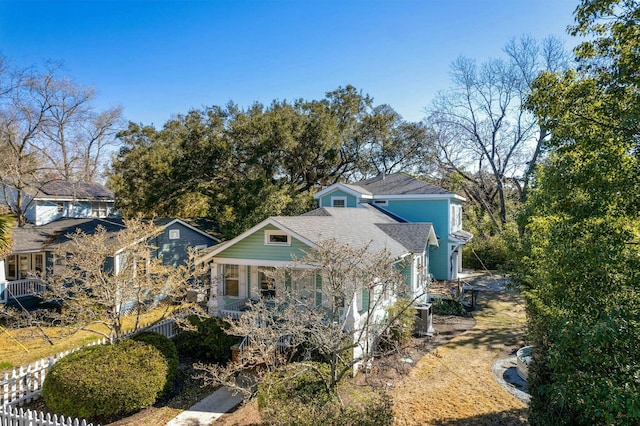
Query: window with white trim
x=60 y=207
x=276 y=238
x=99 y=209
x=231 y=280
x=174 y=234
x=338 y=201
x=267 y=282
x=303 y=284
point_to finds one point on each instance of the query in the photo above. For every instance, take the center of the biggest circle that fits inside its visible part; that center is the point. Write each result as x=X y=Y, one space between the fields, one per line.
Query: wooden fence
x=24 y=384
x=13 y=416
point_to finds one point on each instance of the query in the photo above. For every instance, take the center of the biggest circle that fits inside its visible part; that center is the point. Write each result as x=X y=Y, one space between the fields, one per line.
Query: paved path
x=208 y=410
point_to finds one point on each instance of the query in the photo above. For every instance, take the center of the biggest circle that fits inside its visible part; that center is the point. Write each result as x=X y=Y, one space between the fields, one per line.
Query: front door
x=24 y=266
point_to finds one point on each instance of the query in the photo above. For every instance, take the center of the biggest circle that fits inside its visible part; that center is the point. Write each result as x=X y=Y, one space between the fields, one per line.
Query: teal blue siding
x=439 y=261
x=253 y=247
x=326 y=200
x=435 y=212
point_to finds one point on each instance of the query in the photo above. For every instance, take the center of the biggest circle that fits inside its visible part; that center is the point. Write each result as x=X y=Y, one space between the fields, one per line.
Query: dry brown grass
x=23 y=346
x=454 y=385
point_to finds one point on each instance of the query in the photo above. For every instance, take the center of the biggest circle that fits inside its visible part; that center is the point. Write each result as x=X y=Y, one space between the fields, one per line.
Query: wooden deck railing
x=21 y=288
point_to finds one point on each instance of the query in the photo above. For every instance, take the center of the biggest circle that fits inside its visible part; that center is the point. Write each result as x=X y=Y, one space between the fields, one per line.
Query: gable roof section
x=53 y=235
x=64 y=190
x=166 y=222
x=359 y=227
x=399 y=184
x=395 y=185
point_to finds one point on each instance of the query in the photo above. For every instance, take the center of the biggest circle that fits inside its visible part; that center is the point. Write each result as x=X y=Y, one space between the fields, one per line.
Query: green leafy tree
x=6 y=224
x=582 y=243
x=239 y=166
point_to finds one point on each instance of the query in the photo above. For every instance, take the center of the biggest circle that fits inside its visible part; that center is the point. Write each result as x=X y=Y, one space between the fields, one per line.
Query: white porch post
x=3 y=283
x=216 y=291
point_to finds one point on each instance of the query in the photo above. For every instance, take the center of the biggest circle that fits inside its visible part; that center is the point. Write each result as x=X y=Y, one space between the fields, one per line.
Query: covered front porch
x=237 y=283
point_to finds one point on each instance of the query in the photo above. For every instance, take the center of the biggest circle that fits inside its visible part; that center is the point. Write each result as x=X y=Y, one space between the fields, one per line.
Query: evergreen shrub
x=168 y=350
x=209 y=342
x=104 y=382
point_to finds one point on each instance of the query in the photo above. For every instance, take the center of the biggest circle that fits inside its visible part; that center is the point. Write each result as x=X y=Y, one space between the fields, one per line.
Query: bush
x=400 y=331
x=296 y=394
x=447 y=307
x=168 y=350
x=106 y=381
x=209 y=343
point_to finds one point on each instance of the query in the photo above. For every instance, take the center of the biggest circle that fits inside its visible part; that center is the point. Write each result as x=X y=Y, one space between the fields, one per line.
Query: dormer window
x=276 y=238
x=338 y=201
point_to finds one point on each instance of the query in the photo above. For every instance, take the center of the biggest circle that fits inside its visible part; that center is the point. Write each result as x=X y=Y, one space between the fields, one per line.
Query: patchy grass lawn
x=454 y=385
x=20 y=347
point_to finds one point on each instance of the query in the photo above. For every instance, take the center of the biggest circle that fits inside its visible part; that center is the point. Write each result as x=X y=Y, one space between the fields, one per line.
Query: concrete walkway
x=208 y=410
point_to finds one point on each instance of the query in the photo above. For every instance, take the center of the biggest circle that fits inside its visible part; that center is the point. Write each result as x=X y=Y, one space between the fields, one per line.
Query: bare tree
x=101 y=277
x=484 y=136
x=49 y=129
x=339 y=322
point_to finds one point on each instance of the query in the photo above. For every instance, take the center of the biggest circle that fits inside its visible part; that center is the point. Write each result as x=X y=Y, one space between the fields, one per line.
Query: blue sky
x=161 y=58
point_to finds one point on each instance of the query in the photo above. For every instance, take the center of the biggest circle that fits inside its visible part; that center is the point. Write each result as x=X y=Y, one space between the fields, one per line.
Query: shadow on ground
x=505 y=418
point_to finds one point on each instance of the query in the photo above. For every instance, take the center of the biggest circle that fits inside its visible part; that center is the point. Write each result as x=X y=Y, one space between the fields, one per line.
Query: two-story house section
x=408 y=199
x=58 y=199
x=62 y=199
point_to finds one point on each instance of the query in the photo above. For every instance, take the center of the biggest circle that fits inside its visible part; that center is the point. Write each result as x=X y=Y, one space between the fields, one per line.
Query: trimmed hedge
x=106 y=381
x=209 y=343
x=168 y=350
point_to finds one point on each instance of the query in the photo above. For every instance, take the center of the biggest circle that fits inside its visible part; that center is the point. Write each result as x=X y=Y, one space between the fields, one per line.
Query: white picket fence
x=25 y=383
x=13 y=416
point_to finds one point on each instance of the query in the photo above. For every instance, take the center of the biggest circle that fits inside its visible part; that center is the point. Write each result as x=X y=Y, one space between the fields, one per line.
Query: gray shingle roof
x=396 y=184
x=358 y=227
x=413 y=236
x=47 y=237
x=75 y=190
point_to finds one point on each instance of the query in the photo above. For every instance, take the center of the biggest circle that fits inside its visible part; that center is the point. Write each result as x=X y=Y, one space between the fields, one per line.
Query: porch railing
x=233 y=309
x=21 y=288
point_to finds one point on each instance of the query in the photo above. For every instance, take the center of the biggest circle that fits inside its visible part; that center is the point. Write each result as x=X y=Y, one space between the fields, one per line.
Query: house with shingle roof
x=240 y=268
x=61 y=199
x=410 y=200
x=408 y=218
x=34 y=249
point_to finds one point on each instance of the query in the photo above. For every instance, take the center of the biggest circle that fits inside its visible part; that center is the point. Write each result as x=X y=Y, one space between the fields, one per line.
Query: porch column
x=215 y=294
x=3 y=283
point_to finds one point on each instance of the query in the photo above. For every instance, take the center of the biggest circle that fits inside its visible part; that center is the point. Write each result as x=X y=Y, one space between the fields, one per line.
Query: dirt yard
x=447 y=380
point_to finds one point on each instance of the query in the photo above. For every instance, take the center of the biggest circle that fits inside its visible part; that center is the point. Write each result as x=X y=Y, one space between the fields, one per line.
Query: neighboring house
x=410 y=200
x=62 y=199
x=34 y=247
